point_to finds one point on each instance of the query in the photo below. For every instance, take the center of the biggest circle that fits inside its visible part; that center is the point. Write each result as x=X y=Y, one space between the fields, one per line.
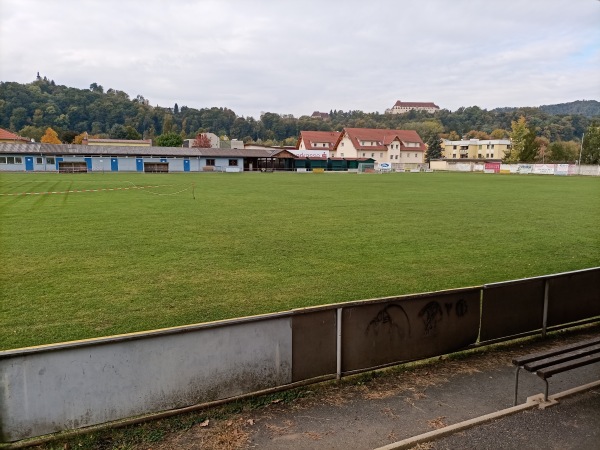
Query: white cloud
x=300 y=56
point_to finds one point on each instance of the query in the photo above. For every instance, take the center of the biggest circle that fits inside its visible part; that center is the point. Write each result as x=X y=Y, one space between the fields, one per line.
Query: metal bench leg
x=516 y=384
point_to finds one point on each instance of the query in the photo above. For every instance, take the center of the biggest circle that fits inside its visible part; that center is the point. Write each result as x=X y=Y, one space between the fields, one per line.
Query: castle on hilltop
x=404 y=107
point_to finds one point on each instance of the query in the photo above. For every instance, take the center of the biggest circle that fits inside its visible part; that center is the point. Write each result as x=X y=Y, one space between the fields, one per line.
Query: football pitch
x=88 y=255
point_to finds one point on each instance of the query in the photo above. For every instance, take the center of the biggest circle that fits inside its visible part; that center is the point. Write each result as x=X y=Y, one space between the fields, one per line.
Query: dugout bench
x=551 y=362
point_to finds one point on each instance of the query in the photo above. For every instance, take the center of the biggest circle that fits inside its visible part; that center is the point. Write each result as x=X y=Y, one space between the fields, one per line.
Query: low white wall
x=53 y=388
x=538 y=169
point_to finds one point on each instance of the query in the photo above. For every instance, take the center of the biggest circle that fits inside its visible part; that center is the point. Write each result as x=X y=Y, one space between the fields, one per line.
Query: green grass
x=82 y=265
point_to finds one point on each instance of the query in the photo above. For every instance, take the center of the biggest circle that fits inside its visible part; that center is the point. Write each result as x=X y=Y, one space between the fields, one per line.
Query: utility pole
x=580 y=152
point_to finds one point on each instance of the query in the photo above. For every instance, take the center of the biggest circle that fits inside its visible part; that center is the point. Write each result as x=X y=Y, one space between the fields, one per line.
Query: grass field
x=85 y=264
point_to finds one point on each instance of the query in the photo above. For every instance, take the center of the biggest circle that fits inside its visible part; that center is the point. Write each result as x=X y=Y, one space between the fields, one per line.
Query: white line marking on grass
x=77 y=191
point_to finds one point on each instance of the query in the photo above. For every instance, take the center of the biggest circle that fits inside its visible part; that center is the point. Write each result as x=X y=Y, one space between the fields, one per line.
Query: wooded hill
x=587 y=108
x=28 y=109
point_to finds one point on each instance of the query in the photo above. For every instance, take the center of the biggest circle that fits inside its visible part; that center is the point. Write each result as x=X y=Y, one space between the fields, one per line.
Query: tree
x=95 y=87
x=79 y=138
x=434 y=149
x=453 y=136
x=50 y=137
x=590 y=149
x=290 y=142
x=32 y=132
x=531 y=146
x=176 y=109
x=517 y=137
x=118 y=131
x=167 y=123
x=132 y=133
x=498 y=133
x=169 y=140
x=18 y=119
x=38 y=117
x=474 y=134
x=542 y=144
x=202 y=141
x=562 y=151
x=68 y=136
x=426 y=129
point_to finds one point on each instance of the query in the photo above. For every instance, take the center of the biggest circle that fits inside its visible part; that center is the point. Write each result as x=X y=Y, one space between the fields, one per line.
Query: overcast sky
x=296 y=57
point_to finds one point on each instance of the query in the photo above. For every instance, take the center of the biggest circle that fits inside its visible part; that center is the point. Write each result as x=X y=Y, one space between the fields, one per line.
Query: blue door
x=114 y=164
x=57 y=161
x=29 y=163
x=186 y=165
x=139 y=164
x=88 y=163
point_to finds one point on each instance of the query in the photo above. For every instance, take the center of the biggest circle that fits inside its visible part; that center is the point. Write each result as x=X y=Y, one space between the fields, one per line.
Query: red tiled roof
x=6 y=135
x=311 y=137
x=383 y=137
x=416 y=104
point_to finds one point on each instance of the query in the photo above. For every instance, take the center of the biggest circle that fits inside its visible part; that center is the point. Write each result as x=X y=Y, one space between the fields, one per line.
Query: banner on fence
x=492 y=167
x=561 y=169
x=525 y=169
x=543 y=169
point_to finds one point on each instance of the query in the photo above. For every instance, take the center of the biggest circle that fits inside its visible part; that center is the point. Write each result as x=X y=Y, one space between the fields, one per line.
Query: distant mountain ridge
x=587 y=108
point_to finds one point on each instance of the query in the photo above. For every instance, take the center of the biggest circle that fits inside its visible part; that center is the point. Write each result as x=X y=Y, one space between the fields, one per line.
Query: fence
x=78 y=384
x=537 y=169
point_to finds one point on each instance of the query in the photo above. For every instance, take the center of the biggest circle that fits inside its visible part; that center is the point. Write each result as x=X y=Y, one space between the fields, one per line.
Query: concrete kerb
x=532 y=402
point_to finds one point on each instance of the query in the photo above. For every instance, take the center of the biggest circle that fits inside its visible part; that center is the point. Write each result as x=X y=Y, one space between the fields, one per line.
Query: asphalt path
x=403 y=404
x=573 y=424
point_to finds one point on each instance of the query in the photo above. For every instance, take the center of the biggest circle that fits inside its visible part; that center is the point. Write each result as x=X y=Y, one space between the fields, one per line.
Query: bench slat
x=557 y=351
x=553 y=370
x=563 y=357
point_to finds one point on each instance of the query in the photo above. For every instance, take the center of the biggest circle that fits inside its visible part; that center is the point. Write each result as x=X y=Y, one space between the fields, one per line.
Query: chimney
x=84 y=141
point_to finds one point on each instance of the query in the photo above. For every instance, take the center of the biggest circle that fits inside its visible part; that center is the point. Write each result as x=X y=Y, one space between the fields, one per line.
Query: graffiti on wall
x=394 y=319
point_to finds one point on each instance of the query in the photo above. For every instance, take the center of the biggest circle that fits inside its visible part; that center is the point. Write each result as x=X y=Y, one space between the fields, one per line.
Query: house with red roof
x=400 y=148
x=11 y=138
x=317 y=140
x=404 y=107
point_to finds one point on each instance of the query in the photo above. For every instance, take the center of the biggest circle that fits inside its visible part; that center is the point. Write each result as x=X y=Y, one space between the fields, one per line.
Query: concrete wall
x=72 y=385
x=52 y=388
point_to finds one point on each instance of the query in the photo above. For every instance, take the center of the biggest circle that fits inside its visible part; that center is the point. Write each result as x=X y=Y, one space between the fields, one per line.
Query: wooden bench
x=557 y=360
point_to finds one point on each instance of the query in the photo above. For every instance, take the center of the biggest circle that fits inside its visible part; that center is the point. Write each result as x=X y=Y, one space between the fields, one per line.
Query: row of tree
x=527 y=146
x=29 y=109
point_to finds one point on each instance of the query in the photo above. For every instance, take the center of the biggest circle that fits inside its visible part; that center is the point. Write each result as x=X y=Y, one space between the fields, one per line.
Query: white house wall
x=345 y=149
